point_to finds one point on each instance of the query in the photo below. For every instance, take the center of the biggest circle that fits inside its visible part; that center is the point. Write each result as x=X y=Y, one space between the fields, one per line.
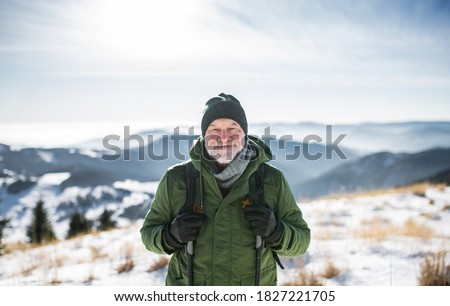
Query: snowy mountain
x=128 y=200
x=149 y=162
x=86 y=167
x=407 y=137
x=378 y=171
x=92 y=179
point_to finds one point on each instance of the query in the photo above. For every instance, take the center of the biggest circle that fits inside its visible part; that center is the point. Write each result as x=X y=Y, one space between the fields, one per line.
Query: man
x=227 y=226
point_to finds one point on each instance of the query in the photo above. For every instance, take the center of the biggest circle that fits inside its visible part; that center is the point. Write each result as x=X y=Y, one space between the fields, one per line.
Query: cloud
x=286 y=51
x=278 y=38
x=353 y=36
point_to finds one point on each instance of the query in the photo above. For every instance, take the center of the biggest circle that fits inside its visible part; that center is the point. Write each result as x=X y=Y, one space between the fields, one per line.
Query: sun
x=140 y=29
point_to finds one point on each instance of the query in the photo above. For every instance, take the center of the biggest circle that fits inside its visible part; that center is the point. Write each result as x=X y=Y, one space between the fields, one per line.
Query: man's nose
x=223 y=135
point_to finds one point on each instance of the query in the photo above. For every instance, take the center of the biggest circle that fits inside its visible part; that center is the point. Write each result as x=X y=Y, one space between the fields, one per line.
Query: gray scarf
x=235 y=168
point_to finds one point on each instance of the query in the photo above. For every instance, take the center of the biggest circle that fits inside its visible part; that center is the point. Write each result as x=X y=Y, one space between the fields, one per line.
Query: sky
x=286 y=61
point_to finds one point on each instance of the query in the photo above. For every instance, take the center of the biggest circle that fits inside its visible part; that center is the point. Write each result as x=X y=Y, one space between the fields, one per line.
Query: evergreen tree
x=105 y=221
x=3 y=223
x=40 y=230
x=78 y=224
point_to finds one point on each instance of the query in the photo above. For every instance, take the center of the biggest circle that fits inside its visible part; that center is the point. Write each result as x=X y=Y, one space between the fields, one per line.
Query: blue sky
x=286 y=61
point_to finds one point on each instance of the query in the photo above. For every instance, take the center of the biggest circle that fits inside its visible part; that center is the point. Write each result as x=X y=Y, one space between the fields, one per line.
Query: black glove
x=263 y=222
x=185 y=227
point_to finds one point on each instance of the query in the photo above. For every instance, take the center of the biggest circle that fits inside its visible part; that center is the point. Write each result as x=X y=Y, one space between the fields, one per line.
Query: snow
x=53 y=178
x=91 y=260
x=132 y=185
x=89 y=153
x=61 y=203
x=337 y=227
x=46 y=156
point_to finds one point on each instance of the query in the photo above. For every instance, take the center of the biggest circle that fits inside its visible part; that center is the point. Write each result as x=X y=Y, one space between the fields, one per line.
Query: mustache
x=223 y=145
x=222 y=157
x=220 y=144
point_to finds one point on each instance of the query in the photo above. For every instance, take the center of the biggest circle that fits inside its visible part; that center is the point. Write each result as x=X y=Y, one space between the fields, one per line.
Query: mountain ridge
x=377 y=171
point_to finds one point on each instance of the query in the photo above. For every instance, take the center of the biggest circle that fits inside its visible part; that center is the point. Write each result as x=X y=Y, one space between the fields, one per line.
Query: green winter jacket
x=224 y=251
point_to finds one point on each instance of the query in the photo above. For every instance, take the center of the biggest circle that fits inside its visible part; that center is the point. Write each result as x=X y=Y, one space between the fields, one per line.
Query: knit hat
x=223 y=106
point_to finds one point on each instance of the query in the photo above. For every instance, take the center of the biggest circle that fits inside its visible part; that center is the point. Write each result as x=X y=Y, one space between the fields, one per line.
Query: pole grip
x=189 y=256
x=190 y=248
x=258 y=242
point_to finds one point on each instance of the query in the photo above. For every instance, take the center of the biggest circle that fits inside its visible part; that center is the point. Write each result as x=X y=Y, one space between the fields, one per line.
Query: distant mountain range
x=442 y=177
x=160 y=150
x=149 y=163
x=378 y=171
x=404 y=137
x=411 y=152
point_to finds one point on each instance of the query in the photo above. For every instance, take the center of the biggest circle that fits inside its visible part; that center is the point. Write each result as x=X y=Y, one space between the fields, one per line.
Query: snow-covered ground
x=370 y=240
x=378 y=240
x=126 y=199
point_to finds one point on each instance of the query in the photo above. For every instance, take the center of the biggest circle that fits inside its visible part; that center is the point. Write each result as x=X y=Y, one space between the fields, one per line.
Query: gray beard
x=234 y=168
x=223 y=159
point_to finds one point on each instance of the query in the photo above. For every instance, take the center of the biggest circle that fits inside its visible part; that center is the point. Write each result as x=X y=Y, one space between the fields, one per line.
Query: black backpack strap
x=256 y=186
x=191 y=177
x=256 y=195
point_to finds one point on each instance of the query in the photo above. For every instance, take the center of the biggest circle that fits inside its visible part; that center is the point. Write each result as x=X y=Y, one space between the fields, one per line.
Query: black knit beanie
x=223 y=106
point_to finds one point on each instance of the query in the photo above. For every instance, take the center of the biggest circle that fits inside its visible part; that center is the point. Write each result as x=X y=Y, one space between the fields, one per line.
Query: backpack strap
x=191 y=177
x=256 y=186
x=256 y=195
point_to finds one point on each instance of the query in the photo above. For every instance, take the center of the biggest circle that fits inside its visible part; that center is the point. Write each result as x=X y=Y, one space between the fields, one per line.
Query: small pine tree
x=105 y=221
x=40 y=230
x=3 y=223
x=78 y=225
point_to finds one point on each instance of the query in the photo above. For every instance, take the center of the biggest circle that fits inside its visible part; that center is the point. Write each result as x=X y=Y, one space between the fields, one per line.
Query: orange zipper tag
x=246 y=202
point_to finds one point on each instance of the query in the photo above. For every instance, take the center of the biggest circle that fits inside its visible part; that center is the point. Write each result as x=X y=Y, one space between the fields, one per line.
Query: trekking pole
x=189 y=248
x=256 y=197
x=189 y=256
x=259 y=249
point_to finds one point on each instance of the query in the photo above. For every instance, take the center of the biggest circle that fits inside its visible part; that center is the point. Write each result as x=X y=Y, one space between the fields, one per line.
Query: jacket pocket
x=177 y=276
x=268 y=277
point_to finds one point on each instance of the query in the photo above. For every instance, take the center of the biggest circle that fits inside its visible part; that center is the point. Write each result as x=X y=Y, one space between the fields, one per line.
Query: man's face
x=224 y=139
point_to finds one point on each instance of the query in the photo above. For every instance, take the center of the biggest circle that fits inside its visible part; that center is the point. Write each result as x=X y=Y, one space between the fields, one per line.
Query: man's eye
x=214 y=131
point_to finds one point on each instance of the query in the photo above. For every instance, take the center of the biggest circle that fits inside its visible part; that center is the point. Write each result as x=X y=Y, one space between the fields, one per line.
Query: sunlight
x=141 y=29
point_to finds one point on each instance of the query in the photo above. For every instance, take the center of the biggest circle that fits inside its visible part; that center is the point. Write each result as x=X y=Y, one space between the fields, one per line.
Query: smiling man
x=224 y=140
x=226 y=214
